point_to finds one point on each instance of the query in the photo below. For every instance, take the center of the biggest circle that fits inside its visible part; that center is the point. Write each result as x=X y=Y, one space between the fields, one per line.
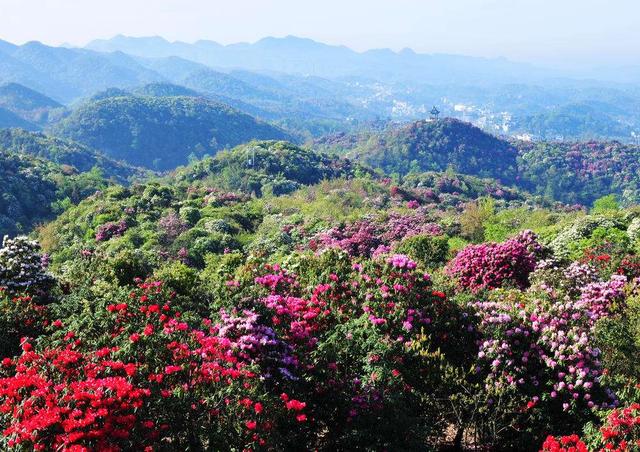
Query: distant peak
x=33 y=44
x=158 y=39
x=289 y=39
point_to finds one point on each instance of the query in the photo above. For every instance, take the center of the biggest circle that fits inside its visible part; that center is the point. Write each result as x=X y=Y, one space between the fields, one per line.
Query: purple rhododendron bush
x=184 y=317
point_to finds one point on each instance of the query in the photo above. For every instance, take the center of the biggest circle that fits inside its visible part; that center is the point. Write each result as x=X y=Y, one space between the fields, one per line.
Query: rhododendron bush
x=492 y=265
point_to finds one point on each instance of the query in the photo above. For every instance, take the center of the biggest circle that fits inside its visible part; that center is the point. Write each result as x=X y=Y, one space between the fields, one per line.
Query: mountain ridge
x=310 y=57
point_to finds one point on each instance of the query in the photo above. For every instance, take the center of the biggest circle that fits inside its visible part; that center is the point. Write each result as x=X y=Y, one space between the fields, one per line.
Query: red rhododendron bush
x=152 y=374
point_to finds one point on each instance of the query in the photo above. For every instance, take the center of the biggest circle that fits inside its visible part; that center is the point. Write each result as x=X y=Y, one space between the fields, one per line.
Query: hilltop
x=30 y=105
x=431 y=146
x=566 y=171
x=162 y=132
x=275 y=167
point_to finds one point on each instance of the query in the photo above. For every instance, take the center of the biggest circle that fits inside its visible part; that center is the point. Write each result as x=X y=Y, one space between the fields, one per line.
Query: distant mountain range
x=312 y=88
x=301 y=56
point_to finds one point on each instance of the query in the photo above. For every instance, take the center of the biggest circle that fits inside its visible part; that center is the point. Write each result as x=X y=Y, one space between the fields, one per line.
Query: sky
x=551 y=32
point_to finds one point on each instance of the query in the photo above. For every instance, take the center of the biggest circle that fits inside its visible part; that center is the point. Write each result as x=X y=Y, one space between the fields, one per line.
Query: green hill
x=569 y=172
x=28 y=104
x=162 y=132
x=277 y=167
x=67 y=152
x=432 y=146
x=581 y=172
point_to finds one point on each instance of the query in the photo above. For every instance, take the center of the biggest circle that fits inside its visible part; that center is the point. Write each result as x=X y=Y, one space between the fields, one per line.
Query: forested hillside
x=161 y=132
x=436 y=146
x=268 y=166
x=571 y=172
x=581 y=172
x=67 y=152
x=35 y=190
x=32 y=106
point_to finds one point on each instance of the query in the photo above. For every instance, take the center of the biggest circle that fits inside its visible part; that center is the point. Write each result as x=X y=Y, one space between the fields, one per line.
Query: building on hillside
x=434 y=113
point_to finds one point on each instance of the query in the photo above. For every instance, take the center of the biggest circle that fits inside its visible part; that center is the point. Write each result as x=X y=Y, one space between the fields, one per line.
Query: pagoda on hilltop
x=435 y=113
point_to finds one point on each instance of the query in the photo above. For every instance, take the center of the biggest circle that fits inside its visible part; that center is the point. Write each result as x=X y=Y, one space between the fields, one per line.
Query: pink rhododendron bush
x=493 y=265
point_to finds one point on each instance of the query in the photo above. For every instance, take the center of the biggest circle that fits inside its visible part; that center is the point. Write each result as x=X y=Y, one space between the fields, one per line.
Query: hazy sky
x=565 y=31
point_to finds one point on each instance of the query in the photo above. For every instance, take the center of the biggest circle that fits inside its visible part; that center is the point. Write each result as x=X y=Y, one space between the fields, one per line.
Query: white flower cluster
x=582 y=228
x=21 y=265
x=634 y=229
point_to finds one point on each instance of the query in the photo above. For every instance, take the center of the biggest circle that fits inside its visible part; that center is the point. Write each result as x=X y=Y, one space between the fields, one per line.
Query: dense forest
x=35 y=190
x=67 y=152
x=161 y=132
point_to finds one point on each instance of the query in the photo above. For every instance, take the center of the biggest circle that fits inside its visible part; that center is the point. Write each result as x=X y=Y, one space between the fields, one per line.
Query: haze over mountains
x=302 y=56
x=314 y=88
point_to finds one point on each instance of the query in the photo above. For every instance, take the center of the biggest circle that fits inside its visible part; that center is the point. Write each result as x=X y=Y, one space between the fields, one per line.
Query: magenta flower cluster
x=369 y=238
x=252 y=341
x=110 y=230
x=398 y=227
x=357 y=239
x=172 y=226
x=492 y=265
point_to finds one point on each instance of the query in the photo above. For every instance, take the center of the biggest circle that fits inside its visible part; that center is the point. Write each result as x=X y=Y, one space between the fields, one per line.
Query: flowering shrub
x=24 y=286
x=62 y=398
x=492 y=265
x=369 y=238
x=110 y=230
x=634 y=229
x=544 y=353
x=629 y=266
x=166 y=377
x=358 y=239
x=397 y=227
x=171 y=226
x=20 y=316
x=22 y=268
x=558 y=280
x=571 y=443
x=563 y=244
x=527 y=343
x=621 y=430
